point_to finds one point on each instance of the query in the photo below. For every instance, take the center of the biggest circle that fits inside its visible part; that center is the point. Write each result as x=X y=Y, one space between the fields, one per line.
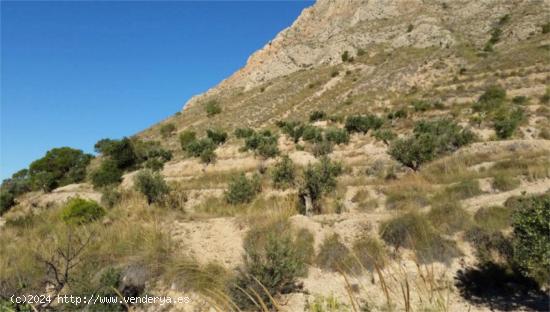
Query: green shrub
x=274 y=259
x=337 y=136
x=430 y=139
x=107 y=174
x=120 y=151
x=151 y=184
x=384 y=135
x=506 y=122
x=151 y=154
x=410 y=28
x=531 y=239
x=312 y=134
x=449 y=217
x=18 y=184
x=186 y=138
x=345 y=56
x=7 y=200
x=167 y=130
x=333 y=255
x=212 y=108
x=80 y=211
x=262 y=143
x=243 y=133
x=294 y=129
x=370 y=252
x=493 y=218
x=242 y=189
x=317 y=115
x=505 y=182
x=217 y=136
x=363 y=123
x=202 y=148
x=59 y=167
x=493 y=97
x=495 y=35
x=414 y=231
x=283 y=174
x=546 y=28
x=400 y=113
x=318 y=180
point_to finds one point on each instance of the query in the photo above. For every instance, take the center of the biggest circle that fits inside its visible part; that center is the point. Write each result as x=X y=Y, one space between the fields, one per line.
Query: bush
x=151 y=185
x=243 y=133
x=120 y=151
x=363 y=123
x=167 y=130
x=412 y=230
x=18 y=184
x=317 y=115
x=333 y=255
x=81 y=211
x=505 y=182
x=384 y=135
x=186 y=138
x=506 y=122
x=312 y=134
x=274 y=259
x=491 y=99
x=546 y=28
x=491 y=246
x=263 y=143
x=217 y=136
x=7 y=200
x=318 y=180
x=59 y=167
x=242 y=189
x=370 y=252
x=294 y=129
x=401 y=113
x=202 y=148
x=107 y=174
x=421 y=105
x=449 y=217
x=283 y=173
x=345 y=56
x=531 y=239
x=212 y=108
x=151 y=154
x=430 y=139
x=520 y=100
x=337 y=136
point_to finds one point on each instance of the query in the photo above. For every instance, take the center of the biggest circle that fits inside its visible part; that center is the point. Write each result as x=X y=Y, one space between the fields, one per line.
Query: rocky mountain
x=374 y=156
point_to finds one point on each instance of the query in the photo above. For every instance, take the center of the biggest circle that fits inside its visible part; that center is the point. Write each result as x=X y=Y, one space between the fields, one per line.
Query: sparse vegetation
x=370 y=252
x=334 y=255
x=505 y=182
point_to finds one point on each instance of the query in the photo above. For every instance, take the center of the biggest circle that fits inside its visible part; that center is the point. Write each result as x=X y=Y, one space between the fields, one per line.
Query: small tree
x=294 y=129
x=217 y=136
x=363 y=123
x=283 y=173
x=202 y=148
x=107 y=174
x=242 y=189
x=263 y=143
x=318 y=180
x=151 y=185
x=167 y=130
x=212 y=108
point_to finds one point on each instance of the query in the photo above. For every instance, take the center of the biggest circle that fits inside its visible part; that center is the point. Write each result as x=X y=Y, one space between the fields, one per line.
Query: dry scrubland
x=405 y=168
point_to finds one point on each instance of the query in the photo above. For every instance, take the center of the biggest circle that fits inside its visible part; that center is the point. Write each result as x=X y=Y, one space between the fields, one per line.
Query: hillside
x=417 y=135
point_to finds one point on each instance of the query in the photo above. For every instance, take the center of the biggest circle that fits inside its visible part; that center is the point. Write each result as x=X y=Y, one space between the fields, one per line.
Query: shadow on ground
x=493 y=286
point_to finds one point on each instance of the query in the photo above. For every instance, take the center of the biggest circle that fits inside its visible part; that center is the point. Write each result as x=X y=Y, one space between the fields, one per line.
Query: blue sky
x=75 y=72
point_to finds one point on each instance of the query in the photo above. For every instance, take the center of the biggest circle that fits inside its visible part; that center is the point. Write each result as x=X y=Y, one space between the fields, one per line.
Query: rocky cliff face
x=322 y=32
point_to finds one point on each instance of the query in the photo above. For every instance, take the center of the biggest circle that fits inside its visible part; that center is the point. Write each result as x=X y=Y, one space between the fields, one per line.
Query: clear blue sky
x=75 y=72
